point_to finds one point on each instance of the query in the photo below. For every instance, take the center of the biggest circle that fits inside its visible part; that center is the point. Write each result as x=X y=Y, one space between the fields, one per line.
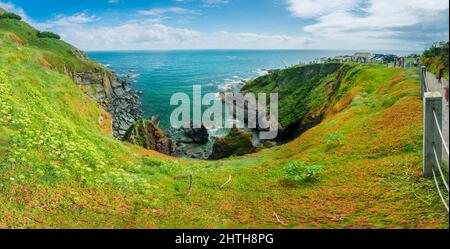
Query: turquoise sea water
x=159 y=74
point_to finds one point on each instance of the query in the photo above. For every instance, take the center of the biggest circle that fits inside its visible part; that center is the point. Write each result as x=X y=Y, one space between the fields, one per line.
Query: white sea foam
x=230 y=85
x=261 y=72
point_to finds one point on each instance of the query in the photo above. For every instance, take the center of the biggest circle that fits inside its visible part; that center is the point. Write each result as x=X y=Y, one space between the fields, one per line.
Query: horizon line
x=249 y=49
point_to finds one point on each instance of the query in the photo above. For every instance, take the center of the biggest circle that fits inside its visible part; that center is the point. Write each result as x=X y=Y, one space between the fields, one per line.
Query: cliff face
x=304 y=93
x=114 y=94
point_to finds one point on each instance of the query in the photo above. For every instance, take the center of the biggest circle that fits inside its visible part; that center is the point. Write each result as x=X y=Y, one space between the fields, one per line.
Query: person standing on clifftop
x=441 y=73
x=444 y=88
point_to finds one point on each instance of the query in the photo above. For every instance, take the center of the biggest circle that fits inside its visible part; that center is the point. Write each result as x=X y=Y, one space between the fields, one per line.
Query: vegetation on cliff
x=436 y=59
x=60 y=168
x=304 y=93
x=53 y=53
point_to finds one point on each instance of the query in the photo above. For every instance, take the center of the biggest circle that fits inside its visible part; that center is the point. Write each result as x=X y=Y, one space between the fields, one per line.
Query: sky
x=410 y=25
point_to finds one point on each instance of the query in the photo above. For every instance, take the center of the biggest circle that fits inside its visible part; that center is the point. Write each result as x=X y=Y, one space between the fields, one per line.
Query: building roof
x=362 y=54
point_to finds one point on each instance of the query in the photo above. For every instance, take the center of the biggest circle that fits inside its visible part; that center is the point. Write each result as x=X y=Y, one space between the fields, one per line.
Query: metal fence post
x=431 y=138
x=423 y=74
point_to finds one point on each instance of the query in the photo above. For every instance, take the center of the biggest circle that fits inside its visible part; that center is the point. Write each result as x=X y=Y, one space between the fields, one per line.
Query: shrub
x=48 y=35
x=10 y=16
x=334 y=138
x=299 y=172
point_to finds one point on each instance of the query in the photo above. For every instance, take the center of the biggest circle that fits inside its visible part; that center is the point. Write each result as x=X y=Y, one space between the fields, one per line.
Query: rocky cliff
x=114 y=94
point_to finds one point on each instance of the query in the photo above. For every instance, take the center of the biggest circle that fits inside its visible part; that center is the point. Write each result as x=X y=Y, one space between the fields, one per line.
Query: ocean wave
x=231 y=85
x=133 y=75
x=261 y=72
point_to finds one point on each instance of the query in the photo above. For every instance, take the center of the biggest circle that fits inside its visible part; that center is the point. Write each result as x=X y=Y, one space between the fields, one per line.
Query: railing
x=433 y=139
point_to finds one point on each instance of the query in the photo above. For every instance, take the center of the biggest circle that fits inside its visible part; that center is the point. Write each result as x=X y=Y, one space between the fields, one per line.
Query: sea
x=160 y=74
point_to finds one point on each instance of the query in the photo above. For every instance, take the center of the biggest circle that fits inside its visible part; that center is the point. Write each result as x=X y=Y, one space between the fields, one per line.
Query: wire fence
x=434 y=145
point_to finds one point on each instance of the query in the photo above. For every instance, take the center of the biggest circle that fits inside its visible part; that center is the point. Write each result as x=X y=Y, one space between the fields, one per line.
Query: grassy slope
x=58 y=170
x=55 y=53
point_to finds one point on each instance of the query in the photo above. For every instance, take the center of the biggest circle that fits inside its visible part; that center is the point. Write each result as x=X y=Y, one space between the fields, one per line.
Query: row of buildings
x=366 y=58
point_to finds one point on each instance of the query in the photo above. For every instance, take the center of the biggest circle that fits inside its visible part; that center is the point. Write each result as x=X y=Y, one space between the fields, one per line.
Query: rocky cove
x=117 y=97
x=294 y=85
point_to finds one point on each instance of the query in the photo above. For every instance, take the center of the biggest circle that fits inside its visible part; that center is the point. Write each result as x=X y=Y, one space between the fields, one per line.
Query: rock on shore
x=146 y=134
x=236 y=143
x=198 y=135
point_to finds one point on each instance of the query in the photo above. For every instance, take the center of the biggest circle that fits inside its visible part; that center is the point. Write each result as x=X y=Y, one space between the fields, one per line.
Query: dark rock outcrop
x=191 y=150
x=236 y=143
x=198 y=135
x=192 y=143
x=114 y=94
x=146 y=134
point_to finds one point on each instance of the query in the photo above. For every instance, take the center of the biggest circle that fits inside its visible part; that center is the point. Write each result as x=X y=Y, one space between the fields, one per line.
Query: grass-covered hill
x=53 y=53
x=60 y=168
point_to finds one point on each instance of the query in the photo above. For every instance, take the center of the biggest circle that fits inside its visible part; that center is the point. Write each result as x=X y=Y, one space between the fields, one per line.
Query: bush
x=48 y=35
x=334 y=138
x=299 y=172
x=10 y=16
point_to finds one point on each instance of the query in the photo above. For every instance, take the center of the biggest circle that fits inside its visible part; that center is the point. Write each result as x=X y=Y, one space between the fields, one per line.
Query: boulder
x=198 y=135
x=146 y=134
x=236 y=143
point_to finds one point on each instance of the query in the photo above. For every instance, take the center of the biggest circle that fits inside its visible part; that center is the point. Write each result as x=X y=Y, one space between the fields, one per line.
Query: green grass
x=60 y=168
x=60 y=55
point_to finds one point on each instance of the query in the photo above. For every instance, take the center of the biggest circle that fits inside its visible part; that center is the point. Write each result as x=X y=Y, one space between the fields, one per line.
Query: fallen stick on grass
x=278 y=219
x=190 y=185
x=228 y=181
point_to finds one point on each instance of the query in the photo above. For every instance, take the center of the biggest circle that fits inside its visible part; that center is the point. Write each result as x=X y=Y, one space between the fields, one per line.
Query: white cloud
x=150 y=35
x=129 y=36
x=89 y=33
x=62 y=21
x=346 y=24
x=207 y=3
x=315 y=8
x=10 y=7
x=374 y=23
x=213 y=3
x=171 y=10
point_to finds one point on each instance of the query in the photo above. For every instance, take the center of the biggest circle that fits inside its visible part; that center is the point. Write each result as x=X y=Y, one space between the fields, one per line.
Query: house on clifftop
x=361 y=57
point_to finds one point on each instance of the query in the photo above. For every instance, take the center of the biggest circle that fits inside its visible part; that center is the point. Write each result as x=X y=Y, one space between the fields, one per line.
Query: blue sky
x=240 y=24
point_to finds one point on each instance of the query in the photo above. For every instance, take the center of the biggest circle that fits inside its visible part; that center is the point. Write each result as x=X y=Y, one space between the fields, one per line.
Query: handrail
x=425 y=84
x=440 y=131
x=439 y=190
x=433 y=142
x=439 y=168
